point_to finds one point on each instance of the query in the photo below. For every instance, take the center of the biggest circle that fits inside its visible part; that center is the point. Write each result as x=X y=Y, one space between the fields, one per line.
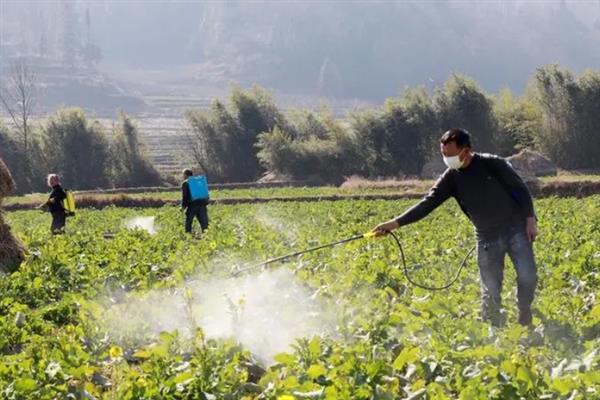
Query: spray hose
x=367 y=235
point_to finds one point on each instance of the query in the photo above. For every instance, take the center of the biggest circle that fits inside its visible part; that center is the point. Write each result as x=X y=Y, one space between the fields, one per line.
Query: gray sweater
x=488 y=190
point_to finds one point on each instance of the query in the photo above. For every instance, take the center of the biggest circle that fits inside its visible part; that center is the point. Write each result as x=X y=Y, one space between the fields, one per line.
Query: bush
x=519 y=121
x=26 y=179
x=461 y=103
x=569 y=116
x=314 y=146
x=129 y=164
x=76 y=149
x=224 y=137
x=396 y=140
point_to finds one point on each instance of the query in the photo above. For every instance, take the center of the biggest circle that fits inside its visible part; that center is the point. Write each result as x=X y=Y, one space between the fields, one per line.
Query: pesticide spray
x=266 y=313
x=145 y=223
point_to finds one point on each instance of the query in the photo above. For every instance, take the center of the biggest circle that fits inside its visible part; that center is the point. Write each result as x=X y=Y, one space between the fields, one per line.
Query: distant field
x=570 y=177
x=581 y=185
x=166 y=142
x=225 y=194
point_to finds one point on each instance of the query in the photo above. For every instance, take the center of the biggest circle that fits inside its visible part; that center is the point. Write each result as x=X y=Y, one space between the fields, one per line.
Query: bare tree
x=19 y=97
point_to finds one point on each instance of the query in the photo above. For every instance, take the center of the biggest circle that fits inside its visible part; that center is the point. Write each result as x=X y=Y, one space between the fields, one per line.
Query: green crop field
x=154 y=314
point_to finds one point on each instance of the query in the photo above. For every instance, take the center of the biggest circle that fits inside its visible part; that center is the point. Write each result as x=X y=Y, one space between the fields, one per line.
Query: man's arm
x=440 y=192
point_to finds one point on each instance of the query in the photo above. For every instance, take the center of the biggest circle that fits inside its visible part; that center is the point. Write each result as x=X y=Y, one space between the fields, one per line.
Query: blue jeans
x=198 y=211
x=491 y=253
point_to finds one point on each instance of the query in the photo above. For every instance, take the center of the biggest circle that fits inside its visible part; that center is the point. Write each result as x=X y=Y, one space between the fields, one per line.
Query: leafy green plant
x=389 y=340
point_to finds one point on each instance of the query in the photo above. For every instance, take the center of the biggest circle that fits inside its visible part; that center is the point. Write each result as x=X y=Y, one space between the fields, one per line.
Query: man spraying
x=54 y=204
x=499 y=205
x=194 y=199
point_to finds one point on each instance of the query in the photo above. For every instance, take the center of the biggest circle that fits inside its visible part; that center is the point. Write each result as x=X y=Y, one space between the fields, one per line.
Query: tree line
x=79 y=150
x=558 y=115
x=242 y=138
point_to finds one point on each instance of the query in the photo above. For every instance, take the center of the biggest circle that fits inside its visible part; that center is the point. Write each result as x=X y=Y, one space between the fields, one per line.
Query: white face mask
x=453 y=162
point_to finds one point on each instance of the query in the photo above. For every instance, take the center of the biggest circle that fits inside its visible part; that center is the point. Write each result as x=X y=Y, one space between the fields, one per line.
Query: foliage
x=79 y=150
x=13 y=154
x=76 y=149
x=569 y=113
x=396 y=140
x=129 y=163
x=519 y=121
x=462 y=103
x=392 y=340
x=224 y=137
x=314 y=145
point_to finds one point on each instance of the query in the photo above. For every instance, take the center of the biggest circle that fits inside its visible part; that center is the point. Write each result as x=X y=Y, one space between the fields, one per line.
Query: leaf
x=285 y=359
x=525 y=375
x=25 y=385
x=184 y=376
x=142 y=354
x=315 y=347
x=407 y=355
x=417 y=395
x=316 y=370
x=317 y=394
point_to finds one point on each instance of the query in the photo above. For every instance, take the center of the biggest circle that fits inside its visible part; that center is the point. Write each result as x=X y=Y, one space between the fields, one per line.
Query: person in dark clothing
x=498 y=203
x=193 y=208
x=54 y=204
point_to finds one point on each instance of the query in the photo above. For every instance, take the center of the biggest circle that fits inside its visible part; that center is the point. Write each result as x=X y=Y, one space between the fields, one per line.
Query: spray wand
x=299 y=253
x=367 y=235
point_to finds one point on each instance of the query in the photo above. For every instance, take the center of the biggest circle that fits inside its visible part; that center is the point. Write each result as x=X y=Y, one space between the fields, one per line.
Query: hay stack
x=532 y=163
x=12 y=251
x=7 y=185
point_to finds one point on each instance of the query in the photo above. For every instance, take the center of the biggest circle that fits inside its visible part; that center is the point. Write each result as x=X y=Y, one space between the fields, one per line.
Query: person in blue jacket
x=193 y=208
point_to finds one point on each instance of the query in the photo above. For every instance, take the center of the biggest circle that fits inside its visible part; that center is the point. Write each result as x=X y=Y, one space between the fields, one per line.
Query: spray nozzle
x=369 y=235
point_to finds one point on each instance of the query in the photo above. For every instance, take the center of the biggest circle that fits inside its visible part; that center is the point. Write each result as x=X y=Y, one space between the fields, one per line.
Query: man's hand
x=531 y=228
x=385 y=228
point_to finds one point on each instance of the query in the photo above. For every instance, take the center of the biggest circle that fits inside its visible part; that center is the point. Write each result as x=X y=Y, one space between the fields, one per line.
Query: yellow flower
x=115 y=352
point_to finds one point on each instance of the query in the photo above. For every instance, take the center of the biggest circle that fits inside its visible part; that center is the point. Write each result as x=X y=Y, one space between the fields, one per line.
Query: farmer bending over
x=499 y=205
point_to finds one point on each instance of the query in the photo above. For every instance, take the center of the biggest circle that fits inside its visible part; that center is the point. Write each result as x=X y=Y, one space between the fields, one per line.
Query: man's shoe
x=525 y=317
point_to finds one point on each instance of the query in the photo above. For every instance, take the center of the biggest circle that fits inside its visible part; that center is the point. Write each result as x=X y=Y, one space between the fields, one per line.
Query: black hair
x=461 y=137
x=187 y=172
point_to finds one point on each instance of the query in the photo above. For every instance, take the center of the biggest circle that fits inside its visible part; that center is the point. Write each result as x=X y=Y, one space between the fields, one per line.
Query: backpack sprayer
x=367 y=235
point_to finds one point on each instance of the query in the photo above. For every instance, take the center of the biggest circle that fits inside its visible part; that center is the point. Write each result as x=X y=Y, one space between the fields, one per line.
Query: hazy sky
x=347 y=49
